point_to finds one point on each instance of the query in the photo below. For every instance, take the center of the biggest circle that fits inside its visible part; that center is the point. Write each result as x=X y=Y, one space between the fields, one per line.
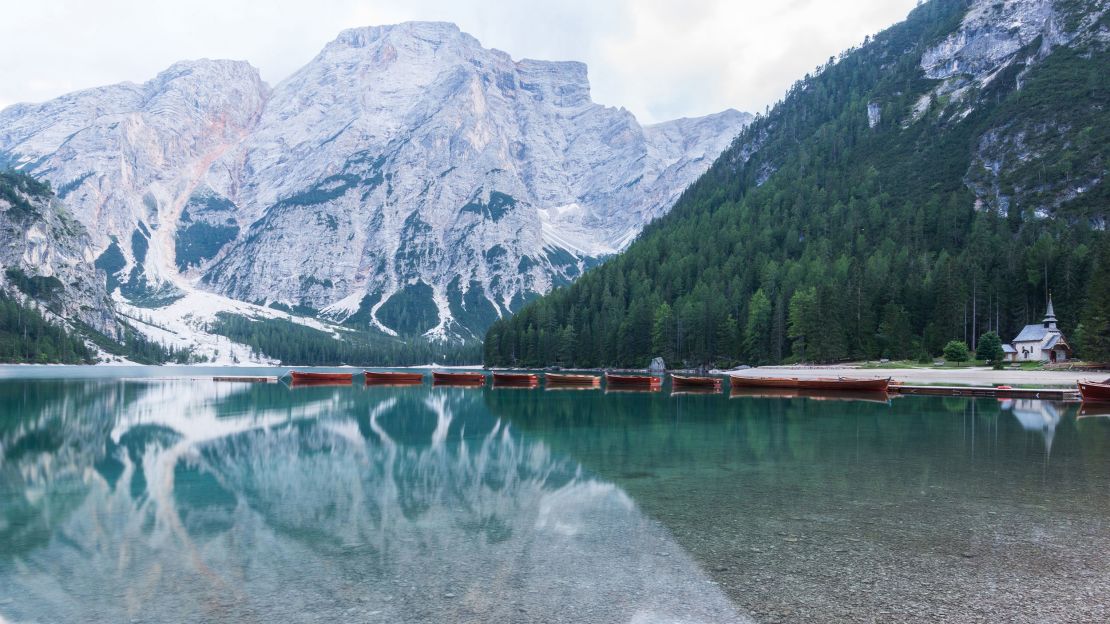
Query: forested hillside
x=880 y=209
x=26 y=337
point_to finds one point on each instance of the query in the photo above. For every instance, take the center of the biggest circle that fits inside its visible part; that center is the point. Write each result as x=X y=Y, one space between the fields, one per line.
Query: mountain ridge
x=405 y=170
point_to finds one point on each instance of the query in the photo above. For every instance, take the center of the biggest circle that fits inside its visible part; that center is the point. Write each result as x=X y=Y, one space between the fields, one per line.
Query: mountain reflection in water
x=188 y=501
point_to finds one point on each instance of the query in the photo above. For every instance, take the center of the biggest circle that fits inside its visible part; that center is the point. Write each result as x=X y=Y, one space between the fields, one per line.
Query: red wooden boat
x=459 y=379
x=393 y=378
x=303 y=376
x=1094 y=392
x=703 y=383
x=516 y=379
x=844 y=384
x=633 y=381
x=840 y=384
x=763 y=382
x=554 y=379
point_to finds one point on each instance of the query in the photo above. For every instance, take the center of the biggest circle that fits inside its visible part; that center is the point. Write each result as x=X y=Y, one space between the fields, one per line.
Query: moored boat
x=393 y=378
x=633 y=381
x=839 y=384
x=558 y=379
x=310 y=376
x=738 y=381
x=516 y=379
x=1094 y=391
x=844 y=384
x=701 y=383
x=459 y=379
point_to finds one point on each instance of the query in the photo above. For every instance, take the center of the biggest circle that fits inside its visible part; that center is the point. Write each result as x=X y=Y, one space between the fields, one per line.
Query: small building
x=1039 y=343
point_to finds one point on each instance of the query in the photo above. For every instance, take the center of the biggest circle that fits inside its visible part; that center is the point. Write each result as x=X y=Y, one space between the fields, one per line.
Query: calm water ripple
x=165 y=500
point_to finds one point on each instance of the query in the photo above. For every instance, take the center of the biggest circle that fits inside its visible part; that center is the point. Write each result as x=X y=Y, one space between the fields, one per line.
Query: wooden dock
x=247 y=379
x=1053 y=394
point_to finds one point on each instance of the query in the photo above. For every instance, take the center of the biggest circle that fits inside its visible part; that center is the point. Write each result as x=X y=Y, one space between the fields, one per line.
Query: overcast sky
x=660 y=59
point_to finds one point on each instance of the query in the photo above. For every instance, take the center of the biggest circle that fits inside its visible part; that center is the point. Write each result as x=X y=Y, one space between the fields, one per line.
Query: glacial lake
x=143 y=495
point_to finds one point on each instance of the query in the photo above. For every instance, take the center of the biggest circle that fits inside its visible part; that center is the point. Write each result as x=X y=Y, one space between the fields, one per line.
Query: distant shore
x=969 y=376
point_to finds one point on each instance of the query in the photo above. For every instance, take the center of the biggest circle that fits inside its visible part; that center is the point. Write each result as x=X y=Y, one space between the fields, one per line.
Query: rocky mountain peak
x=406 y=178
x=434 y=34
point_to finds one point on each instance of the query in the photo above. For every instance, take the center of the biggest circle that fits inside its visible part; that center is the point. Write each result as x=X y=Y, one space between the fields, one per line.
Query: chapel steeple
x=1049 y=316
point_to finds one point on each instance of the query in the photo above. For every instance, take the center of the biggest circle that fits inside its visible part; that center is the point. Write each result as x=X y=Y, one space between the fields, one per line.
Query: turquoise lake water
x=153 y=498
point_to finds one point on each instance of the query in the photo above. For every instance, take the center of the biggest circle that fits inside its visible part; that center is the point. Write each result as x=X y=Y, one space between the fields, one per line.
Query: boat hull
x=633 y=381
x=845 y=385
x=763 y=382
x=459 y=379
x=516 y=379
x=572 y=380
x=840 y=384
x=393 y=378
x=304 y=376
x=701 y=383
x=1094 y=392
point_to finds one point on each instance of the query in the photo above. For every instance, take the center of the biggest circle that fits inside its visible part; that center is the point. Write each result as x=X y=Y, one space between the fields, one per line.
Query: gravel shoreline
x=970 y=376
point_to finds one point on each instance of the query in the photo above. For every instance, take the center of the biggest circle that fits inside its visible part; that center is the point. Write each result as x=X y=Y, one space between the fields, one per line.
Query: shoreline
x=970 y=376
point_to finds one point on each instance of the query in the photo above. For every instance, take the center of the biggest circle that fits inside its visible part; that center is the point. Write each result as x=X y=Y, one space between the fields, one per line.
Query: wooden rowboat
x=554 y=379
x=393 y=378
x=844 y=384
x=633 y=381
x=309 y=376
x=763 y=382
x=516 y=379
x=459 y=379
x=1094 y=392
x=839 y=384
x=706 y=383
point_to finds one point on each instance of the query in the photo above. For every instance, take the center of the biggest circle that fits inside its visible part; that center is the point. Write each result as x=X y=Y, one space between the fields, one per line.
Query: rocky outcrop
x=992 y=53
x=46 y=256
x=126 y=158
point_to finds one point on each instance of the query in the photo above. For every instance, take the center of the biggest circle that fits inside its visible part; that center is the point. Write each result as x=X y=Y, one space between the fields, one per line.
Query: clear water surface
x=157 y=495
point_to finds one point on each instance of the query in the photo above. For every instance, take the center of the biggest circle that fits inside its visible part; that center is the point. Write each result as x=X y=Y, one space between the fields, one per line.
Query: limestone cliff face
x=406 y=178
x=46 y=256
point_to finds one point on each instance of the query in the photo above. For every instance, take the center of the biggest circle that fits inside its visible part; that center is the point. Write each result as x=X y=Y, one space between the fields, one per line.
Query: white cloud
x=658 y=58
